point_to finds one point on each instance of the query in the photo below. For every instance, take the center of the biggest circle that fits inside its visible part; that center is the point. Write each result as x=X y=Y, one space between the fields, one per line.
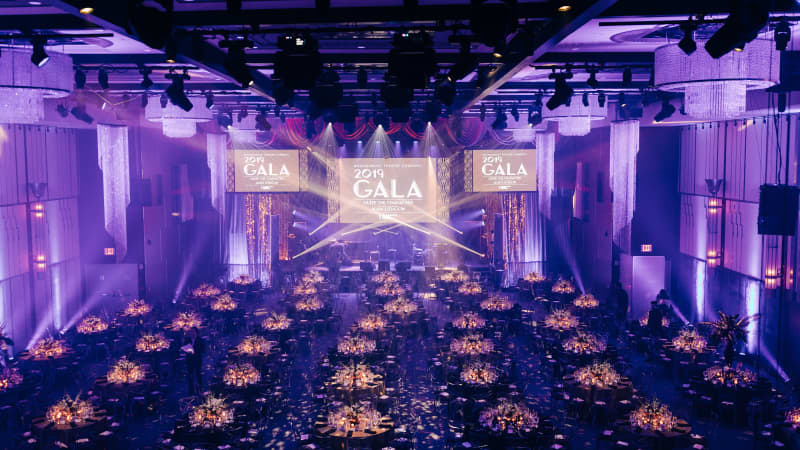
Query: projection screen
x=266 y=170
x=503 y=170
x=387 y=190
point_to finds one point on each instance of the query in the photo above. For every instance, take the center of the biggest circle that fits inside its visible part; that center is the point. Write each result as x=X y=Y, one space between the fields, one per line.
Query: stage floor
x=355 y=267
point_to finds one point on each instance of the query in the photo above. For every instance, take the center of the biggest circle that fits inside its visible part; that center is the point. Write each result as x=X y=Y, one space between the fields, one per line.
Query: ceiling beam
x=536 y=43
x=191 y=51
x=640 y=8
x=19 y=22
x=346 y=15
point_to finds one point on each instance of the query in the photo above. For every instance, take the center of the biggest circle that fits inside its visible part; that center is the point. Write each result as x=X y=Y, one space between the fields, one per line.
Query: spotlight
x=621 y=100
x=482 y=112
x=163 y=100
x=102 y=78
x=396 y=96
x=465 y=64
x=328 y=92
x=601 y=99
x=86 y=7
x=235 y=62
x=209 y=100
x=445 y=92
x=146 y=81
x=585 y=99
x=627 y=77
x=171 y=50
x=741 y=27
x=145 y=100
x=381 y=120
x=431 y=111
x=491 y=22
x=362 y=78
x=242 y=114
x=500 y=120
x=687 y=43
x=261 y=121
x=515 y=113
x=39 y=57
x=563 y=92
x=80 y=78
x=783 y=34
x=62 y=110
x=592 y=81
x=225 y=120
x=534 y=115
x=79 y=112
x=412 y=60
x=667 y=110
x=176 y=93
x=298 y=62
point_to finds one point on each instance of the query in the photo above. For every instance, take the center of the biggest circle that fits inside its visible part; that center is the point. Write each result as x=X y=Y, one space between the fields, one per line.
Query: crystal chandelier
x=576 y=118
x=24 y=86
x=716 y=89
x=175 y=122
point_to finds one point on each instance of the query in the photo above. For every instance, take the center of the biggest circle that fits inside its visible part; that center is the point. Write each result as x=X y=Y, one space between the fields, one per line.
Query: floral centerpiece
x=372 y=322
x=254 y=345
x=455 y=276
x=496 y=303
x=584 y=344
x=689 y=341
x=354 y=376
x=92 y=325
x=137 y=308
x=643 y=321
x=385 y=278
x=563 y=287
x=653 y=416
x=561 y=319
x=212 y=413
x=390 y=290
x=729 y=376
x=313 y=277
x=9 y=377
x=69 y=411
x=509 y=418
x=793 y=416
x=150 y=343
x=470 y=288
x=356 y=345
x=471 y=345
x=356 y=418
x=243 y=280
x=48 y=348
x=599 y=374
x=586 y=301
x=224 y=303
x=125 y=371
x=305 y=289
x=534 y=277
x=206 y=290
x=479 y=373
x=469 y=321
x=241 y=375
x=185 y=321
x=400 y=306
x=276 y=322
x=309 y=304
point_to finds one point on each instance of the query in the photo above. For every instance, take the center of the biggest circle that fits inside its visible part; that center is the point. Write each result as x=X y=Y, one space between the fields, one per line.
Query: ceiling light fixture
x=39 y=56
x=209 y=100
x=687 y=43
x=667 y=110
x=175 y=91
x=563 y=92
x=465 y=64
x=601 y=99
x=515 y=113
x=102 y=78
x=362 y=77
x=627 y=76
x=783 y=34
x=146 y=83
x=500 y=120
x=235 y=61
x=742 y=26
x=163 y=100
x=592 y=80
x=585 y=99
x=80 y=78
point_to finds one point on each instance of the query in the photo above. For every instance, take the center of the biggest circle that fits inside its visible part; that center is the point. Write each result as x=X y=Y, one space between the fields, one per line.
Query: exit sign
x=647 y=248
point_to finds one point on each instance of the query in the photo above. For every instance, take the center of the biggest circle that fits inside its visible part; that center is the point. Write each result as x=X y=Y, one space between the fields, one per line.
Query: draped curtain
x=112 y=146
x=545 y=172
x=622 y=173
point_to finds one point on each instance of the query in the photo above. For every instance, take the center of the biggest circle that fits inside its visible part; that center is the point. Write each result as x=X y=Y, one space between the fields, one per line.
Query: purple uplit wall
x=39 y=253
x=719 y=242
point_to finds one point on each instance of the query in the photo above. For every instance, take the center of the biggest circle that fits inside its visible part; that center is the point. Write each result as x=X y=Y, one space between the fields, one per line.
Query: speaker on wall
x=777 y=209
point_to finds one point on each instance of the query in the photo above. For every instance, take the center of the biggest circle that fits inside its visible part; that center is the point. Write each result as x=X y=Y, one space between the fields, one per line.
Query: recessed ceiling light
x=87 y=10
x=361 y=46
x=564 y=8
x=35 y=3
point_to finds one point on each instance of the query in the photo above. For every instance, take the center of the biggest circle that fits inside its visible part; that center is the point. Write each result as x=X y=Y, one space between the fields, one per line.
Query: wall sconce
x=771 y=278
x=714 y=206
x=37 y=210
x=647 y=248
x=713 y=258
x=41 y=264
x=109 y=251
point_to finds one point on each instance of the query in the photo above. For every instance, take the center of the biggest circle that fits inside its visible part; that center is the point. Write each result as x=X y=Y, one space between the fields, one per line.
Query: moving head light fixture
x=235 y=61
x=175 y=91
x=746 y=19
x=412 y=60
x=297 y=63
x=563 y=92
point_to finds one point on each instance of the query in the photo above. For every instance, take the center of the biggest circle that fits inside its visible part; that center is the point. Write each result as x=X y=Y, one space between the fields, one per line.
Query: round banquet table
x=658 y=440
x=377 y=438
x=124 y=390
x=352 y=395
x=69 y=433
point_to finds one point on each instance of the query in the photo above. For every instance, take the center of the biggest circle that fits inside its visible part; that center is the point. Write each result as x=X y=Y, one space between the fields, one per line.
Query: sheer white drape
x=112 y=146
x=545 y=174
x=216 y=145
x=622 y=173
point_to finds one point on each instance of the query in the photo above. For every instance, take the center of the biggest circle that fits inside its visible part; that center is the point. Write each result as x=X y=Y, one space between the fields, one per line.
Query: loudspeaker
x=777 y=210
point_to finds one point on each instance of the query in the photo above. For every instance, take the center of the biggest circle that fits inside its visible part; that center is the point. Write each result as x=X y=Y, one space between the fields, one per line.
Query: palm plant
x=733 y=330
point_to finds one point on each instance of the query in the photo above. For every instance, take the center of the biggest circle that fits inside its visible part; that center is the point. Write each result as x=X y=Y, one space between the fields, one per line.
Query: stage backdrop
x=387 y=189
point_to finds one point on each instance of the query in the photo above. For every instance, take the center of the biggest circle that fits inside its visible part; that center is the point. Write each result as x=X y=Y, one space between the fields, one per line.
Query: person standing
x=194 y=347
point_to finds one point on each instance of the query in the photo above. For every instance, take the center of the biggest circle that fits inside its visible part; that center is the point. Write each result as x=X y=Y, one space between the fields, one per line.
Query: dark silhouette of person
x=194 y=360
